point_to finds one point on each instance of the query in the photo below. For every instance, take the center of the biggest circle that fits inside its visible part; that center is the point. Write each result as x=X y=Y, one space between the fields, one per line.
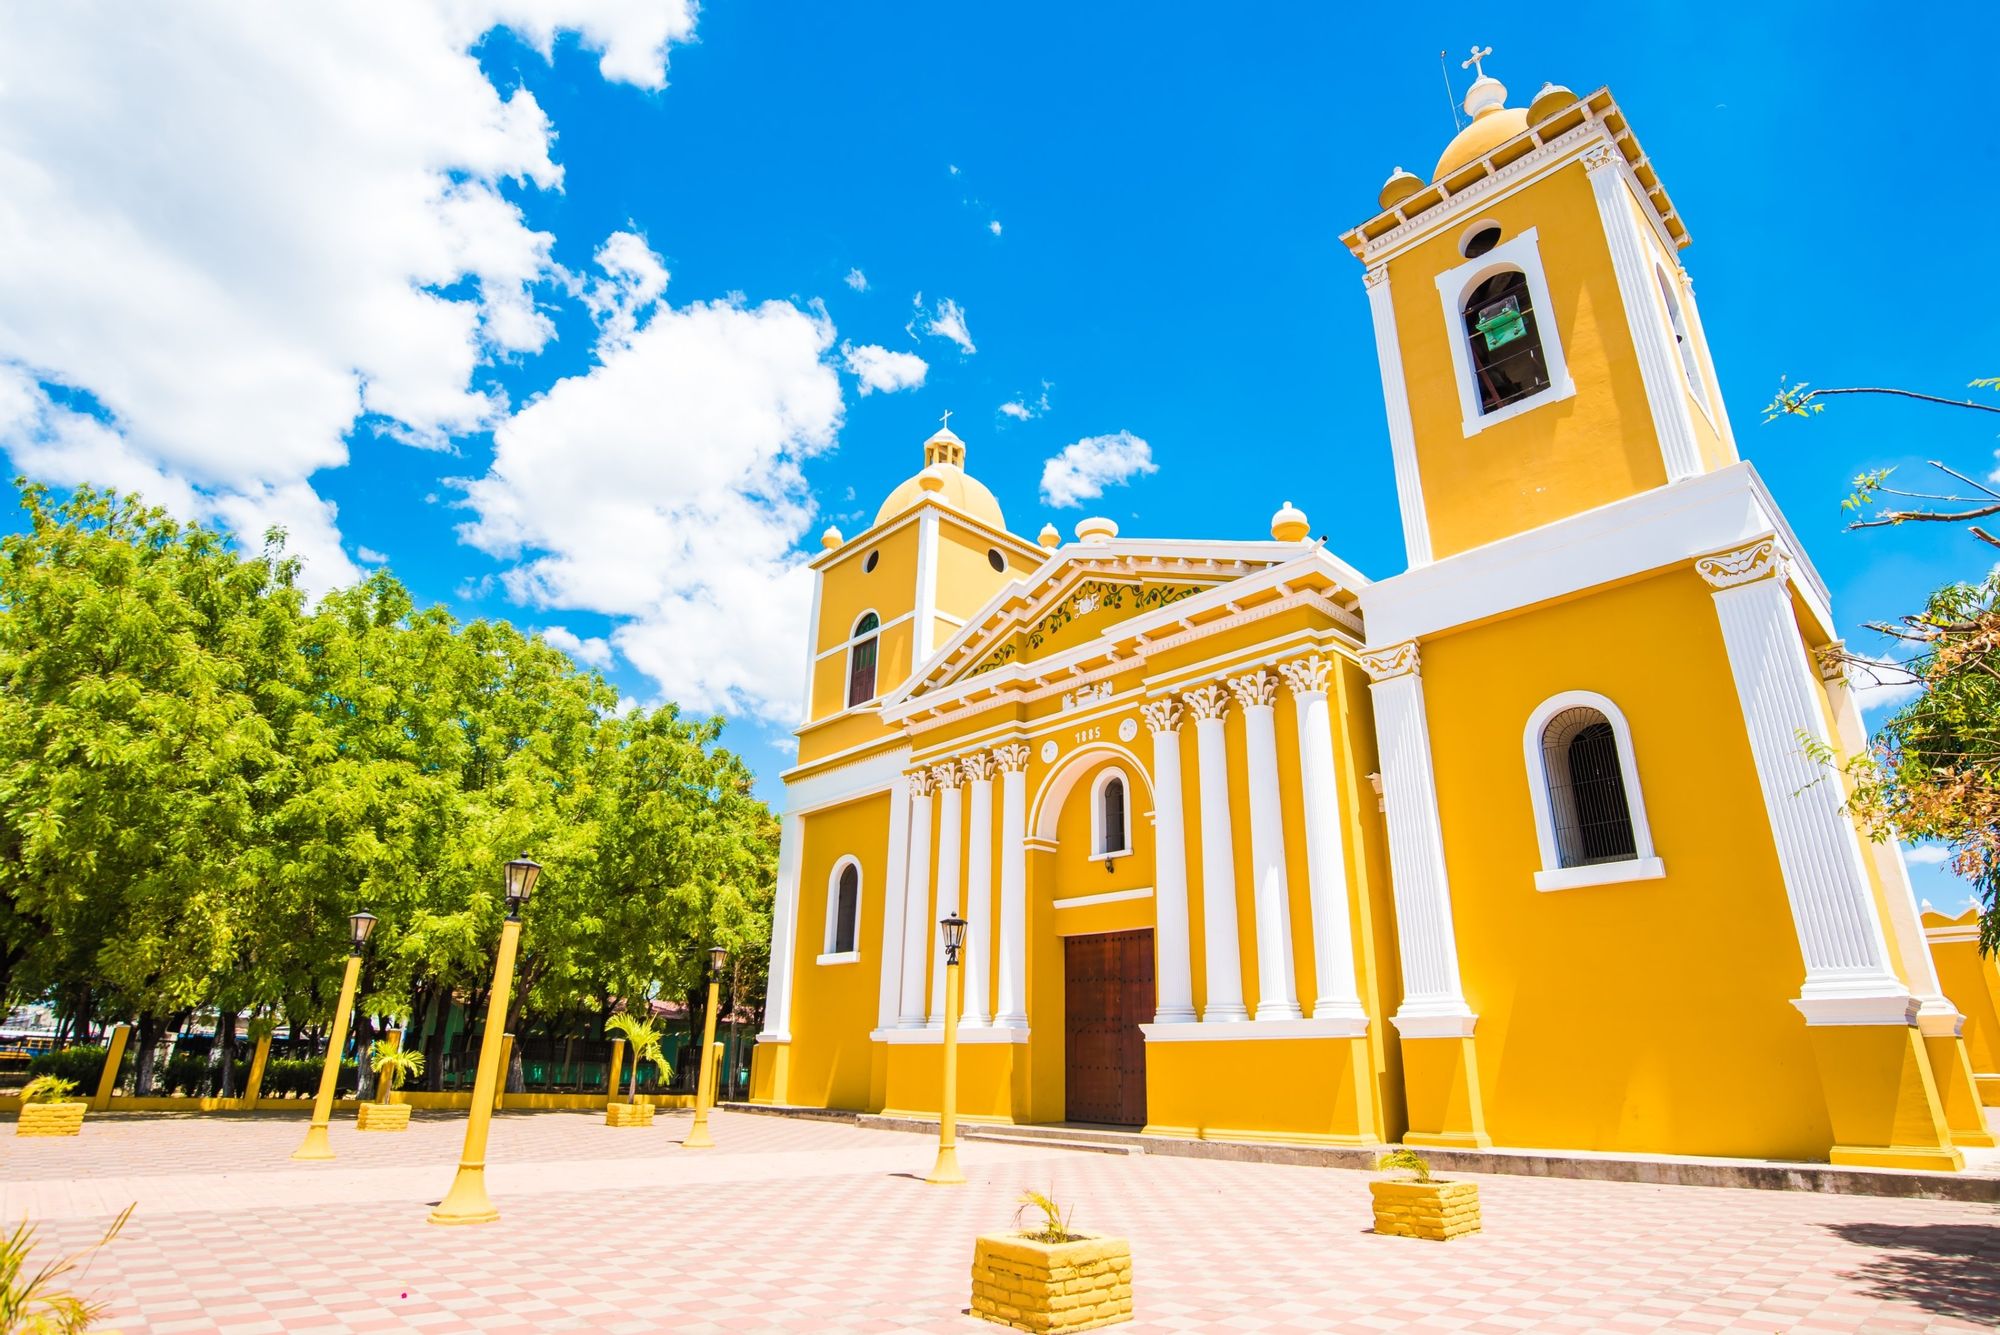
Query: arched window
x=1110 y=814
x=1690 y=363
x=1589 y=816
x=1505 y=341
x=861 y=659
x=843 y=913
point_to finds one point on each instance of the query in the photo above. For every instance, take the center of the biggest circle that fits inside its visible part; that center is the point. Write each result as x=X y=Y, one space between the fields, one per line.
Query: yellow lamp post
x=316 y=1145
x=467 y=1201
x=704 y=1085
x=945 y=1173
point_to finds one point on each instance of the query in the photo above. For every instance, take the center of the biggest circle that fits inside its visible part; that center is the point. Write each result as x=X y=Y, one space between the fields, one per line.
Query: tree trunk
x=225 y=1037
x=150 y=1028
x=434 y=1040
x=364 y=1039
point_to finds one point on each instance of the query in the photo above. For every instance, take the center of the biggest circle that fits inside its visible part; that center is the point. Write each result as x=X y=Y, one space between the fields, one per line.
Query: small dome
x=831 y=538
x=1553 y=98
x=1399 y=187
x=1095 y=529
x=1492 y=128
x=949 y=484
x=1290 y=524
x=1050 y=537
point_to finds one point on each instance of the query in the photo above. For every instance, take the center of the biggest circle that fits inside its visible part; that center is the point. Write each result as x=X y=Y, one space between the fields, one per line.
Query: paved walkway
x=810 y=1226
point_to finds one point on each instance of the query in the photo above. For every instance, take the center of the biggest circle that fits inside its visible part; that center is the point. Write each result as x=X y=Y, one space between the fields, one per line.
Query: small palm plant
x=393 y=1064
x=33 y=1302
x=1405 y=1160
x=643 y=1037
x=1055 y=1220
x=46 y=1089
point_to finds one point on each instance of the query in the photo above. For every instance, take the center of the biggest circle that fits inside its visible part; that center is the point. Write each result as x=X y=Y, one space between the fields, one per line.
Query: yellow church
x=1521 y=847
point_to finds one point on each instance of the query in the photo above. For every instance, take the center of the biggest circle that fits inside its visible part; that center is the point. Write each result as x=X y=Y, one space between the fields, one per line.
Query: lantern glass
x=717 y=957
x=361 y=924
x=954 y=937
x=522 y=873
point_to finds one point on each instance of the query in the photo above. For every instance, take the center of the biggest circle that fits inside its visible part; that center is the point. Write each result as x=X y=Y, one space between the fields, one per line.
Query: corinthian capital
x=1746 y=565
x=1398 y=660
x=1162 y=715
x=1255 y=690
x=1013 y=757
x=978 y=766
x=1307 y=676
x=920 y=782
x=1207 y=704
x=946 y=774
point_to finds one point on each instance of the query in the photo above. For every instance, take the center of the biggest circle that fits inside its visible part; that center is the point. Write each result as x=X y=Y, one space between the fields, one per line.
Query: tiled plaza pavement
x=808 y=1226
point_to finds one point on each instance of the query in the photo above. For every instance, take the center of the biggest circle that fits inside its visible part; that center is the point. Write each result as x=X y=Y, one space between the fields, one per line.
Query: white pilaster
x=978 y=913
x=1277 y=985
x=895 y=888
x=1173 y=974
x=1433 y=998
x=1639 y=292
x=784 y=933
x=1223 y=955
x=917 y=903
x=1337 y=995
x=1717 y=407
x=1848 y=978
x=1402 y=431
x=950 y=809
x=926 y=609
x=1010 y=1011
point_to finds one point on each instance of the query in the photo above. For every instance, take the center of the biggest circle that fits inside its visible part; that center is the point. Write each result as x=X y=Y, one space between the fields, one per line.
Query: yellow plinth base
x=1221 y=1090
x=1881 y=1098
x=51 y=1119
x=382 y=1117
x=946 y=1172
x=770 y=1072
x=1439 y=1211
x=1989 y=1089
x=1951 y=1068
x=628 y=1114
x=467 y=1201
x=987 y=1078
x=1051 y=1286
x=698 y=1138
x=1441 y=1091
x=316 y=1146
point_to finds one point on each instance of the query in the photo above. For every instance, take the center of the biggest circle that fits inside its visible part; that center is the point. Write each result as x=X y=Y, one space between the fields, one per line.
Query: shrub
x=82 y=1064
x=298 y=1077
x=185 y=1074
x=1407 y=1161
x=1055 y=1220
x=36 y=1302
x=47 y=1089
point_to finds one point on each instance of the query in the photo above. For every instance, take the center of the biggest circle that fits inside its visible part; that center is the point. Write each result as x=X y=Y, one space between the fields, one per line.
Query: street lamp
x=467 y=1201
x=316 y=1145
x=945 y=1173
x=698 y=1137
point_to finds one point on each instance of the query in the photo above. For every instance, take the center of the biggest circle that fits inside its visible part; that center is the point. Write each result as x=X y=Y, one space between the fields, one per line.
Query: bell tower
x=1540 y=350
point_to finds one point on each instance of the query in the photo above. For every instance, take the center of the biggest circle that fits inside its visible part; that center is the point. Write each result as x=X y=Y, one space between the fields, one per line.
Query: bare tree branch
x=1812 y=394
x=1926 y=516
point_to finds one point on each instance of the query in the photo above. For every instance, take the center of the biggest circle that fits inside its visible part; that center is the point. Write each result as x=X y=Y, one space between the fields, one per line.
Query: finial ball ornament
x=831 y=538
x=1290 y=524
x=1050 y=536
x=1096 y=529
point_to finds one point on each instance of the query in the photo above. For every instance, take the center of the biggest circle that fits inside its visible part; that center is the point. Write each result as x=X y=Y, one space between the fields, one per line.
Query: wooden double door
x=1107 y=995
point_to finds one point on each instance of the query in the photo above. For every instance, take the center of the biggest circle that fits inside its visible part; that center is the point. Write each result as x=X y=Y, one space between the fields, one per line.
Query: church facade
x=1521 y=847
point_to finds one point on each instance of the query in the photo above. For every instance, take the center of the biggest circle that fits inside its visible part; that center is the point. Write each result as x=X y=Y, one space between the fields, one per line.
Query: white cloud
x=592 y=651
x=1082 y=470
x=633 y=279
x=1880 y=683
x=232 y=228
x=947 y=320
x=1926 y=855
x=1025 y=409
x=856 y=280
x=369 y=556
x=880 y=369
x=952 y=168
x=994 y=227
x=663 y=488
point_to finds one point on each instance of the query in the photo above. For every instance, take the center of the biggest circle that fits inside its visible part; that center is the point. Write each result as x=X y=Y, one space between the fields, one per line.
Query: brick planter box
x=51 y=1119
x=382 y=1117
x=628 y=1114
x=1439 y=1211
x=1051 y=1286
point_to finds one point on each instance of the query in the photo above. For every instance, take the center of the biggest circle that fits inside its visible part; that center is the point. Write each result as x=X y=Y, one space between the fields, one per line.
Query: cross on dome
x=946 y=419
x=1479 y=53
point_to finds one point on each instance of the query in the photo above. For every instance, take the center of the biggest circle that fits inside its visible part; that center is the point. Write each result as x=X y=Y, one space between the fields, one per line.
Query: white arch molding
x=1643 y=865
x=1046 y=810
x=828 y=954
x=1455 y=284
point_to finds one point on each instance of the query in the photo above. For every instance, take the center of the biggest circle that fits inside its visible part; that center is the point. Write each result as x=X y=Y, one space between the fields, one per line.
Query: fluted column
x=946 y=775
x=895 y=887
x=784 y=934
x=1173 y=980
x=1336 y=995
x=1010 y=1011
x=1277 y=980
x=1223 y=955
x=1848 y=976
x=978 y=768
x=1433 y=1003
x=917 y=917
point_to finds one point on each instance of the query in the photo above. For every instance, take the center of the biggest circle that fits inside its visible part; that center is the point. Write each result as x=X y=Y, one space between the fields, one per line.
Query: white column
x=1402 y=432
x=916 y=902
x=1277 y=979
x=1848 y=977
x=1639 y=291
x=926 y=609
x=895 y=886
x=1011 y=1009
x=978 y=912
x=946 y=776
x=1433 y=998
x=1336 y=995
x=1173 y=981
x=1717 y=408
x=784 y=934
x=1222 y=955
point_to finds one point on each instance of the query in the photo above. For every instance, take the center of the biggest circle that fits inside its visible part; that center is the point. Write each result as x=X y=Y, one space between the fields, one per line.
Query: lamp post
x=316 y=1145
x=467 y=1201
x=945 y=1173
x=704 y=1085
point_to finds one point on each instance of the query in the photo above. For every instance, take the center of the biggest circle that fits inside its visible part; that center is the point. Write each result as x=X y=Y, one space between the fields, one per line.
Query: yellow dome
x=950 y=484
x=1487 y=132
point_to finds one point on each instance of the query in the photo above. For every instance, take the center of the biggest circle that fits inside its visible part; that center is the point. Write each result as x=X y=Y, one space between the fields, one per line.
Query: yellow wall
x=834 y=1005
x=1553 y=460
x=1972 y=983
x=1597 y=1006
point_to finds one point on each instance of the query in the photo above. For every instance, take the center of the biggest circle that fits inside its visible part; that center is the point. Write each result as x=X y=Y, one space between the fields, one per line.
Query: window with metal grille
x=847 y=906
x=1111 y=817
x=861 y=660
x=1506 y=343
x=1587 y=804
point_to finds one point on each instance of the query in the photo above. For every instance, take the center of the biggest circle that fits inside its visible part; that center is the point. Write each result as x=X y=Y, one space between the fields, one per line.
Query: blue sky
x=1134 y=210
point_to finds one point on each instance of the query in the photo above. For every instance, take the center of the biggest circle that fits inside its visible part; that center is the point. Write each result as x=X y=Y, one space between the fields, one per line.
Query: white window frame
x=828 y=955
x=1686 y=350
x=1643 y=865
x=855 y=641
x=1455 y=285
x=1097 y=786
